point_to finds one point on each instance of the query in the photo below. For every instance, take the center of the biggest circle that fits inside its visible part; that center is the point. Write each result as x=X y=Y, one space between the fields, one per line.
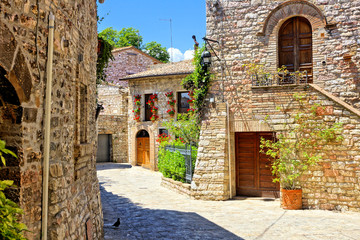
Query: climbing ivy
x=104 y=56
x=198 y=81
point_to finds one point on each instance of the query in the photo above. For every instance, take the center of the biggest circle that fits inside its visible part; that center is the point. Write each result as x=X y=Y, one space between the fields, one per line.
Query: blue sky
x=188 y=18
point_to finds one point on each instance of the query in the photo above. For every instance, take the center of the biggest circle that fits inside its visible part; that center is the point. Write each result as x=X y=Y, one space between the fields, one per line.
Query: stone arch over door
x=275 y=20
x=290 y=9
x=13 y=62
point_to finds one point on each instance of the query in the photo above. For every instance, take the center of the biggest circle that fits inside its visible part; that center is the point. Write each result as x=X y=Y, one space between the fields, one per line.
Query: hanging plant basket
x=154 y=110
x=170 y=95
x=172 y=103
x=137 y=118
x=150 y=103
x=154 y=97
x=154 y=118
x=171 y=112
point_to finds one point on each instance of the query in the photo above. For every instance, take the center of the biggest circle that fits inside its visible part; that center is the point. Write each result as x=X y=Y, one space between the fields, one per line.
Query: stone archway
x=15 y=65
x=293 y=8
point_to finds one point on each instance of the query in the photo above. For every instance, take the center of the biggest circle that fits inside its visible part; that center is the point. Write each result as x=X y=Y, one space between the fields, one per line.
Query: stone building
x=319 y=36
x=128 y=61
x=160 y=79
x=25 y=43
x=113 y=124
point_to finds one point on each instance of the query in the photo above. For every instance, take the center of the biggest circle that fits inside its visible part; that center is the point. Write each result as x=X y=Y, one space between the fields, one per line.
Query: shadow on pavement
x=109 y=165
x=144 y=223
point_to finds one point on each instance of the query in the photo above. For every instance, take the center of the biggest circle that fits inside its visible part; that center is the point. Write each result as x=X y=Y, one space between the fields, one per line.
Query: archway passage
x=295 y=46
x=10 y=131
x=143 y=148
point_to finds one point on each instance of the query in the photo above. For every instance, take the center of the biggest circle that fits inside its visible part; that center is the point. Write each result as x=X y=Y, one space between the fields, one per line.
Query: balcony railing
x=281 y=78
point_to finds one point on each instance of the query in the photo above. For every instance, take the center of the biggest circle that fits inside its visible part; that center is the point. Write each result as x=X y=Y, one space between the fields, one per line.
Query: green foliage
x=172 y=164
x=10 y=213
x=198 y=82
x=104 y=56
x=186 y=127
x=155 y=50
x=123 y=38
x=300 y=146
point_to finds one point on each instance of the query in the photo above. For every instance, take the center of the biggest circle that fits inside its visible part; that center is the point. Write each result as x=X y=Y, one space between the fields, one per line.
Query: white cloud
x=189 y=54
x=179 y=56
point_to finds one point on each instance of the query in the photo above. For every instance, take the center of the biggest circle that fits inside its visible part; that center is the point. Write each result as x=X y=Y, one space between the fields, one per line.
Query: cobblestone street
x=149 y=211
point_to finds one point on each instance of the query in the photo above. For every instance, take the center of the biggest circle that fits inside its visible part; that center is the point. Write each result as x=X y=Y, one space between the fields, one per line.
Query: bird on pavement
x=117 y=223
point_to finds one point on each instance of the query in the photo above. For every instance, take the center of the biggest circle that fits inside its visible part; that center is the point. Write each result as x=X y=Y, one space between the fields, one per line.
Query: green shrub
x=10 y=213
x=172 y=164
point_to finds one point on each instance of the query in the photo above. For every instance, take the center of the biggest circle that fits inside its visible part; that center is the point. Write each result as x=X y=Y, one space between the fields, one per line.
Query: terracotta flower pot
x=291 y=199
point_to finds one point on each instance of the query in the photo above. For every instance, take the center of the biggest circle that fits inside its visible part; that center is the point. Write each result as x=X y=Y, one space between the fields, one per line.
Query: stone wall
x=74 y=199
x=113 y=120
x=127 y=61
x=247 y=32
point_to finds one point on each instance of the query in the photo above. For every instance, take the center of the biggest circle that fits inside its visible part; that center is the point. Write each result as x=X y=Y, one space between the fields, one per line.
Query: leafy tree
x=10 y=213
x=123 y=38
x=155 y=50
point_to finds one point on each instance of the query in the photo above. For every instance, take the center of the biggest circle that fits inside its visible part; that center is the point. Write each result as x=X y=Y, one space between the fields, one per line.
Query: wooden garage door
x=253 y=173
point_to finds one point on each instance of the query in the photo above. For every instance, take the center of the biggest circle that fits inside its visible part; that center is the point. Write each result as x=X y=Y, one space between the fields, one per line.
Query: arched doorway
x=295 y=46
x=10 y=131
x=143 y=148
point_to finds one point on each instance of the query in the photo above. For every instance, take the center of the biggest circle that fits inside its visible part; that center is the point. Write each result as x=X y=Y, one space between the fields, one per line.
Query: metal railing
x=281 y=78
x=186 y=152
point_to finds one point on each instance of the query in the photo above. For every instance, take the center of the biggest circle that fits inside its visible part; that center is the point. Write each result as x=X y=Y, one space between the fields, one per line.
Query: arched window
x=295 y=46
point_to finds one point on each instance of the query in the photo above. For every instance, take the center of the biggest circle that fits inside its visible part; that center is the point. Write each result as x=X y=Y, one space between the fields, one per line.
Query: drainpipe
x=49 y=66
x=229 y=148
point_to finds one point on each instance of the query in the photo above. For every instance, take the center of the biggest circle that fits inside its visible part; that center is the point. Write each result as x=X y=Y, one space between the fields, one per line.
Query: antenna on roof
x=171 y=46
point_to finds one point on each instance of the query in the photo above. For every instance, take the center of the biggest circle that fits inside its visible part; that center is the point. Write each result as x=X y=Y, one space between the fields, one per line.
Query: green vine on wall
x=198 y=81
x=104 y=56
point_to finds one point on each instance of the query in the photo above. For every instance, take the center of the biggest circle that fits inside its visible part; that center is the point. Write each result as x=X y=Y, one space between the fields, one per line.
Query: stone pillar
x=211 y=175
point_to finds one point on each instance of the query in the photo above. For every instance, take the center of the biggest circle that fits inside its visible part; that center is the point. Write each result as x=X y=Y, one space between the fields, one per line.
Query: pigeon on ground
x=117 y=223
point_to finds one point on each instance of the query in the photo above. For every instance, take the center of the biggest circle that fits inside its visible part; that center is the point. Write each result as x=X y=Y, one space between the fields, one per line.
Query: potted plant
x=137 y=97
x=154 y=117
x=137 y=118
x=171 y=112
x=154 y=110
x=154 y=97
x=172 y=103
x=137 y=103
x=170 y=95
x=137 y=111
x=191 y=110
x=150 y=103
x=191 y=102
x=299 y=148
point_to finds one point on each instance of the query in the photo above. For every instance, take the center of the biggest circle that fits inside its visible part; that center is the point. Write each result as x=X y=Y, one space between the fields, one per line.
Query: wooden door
x=143 y=151
x=253 y=173
x=295 y=46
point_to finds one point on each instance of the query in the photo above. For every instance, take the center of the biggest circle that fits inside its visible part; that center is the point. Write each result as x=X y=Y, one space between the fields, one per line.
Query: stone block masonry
x=248 y=32
x=74 y=199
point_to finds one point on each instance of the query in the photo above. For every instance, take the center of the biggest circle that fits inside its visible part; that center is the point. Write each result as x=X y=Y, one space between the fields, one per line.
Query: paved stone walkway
x=149 y=211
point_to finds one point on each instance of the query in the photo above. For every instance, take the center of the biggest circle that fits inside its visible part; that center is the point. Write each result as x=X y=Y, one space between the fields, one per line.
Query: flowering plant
x=154 y=109
x=137 y=111
x=154 y=97
x=172 y=102
x=137 y=97
x=150 y=103
x=163 y=138
x=190 y=101
x=154 y=117
x=169 y=94
x=191 y=110
x=137 y=118
x=191 y=94
x=171 y=112
x=137 y=103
